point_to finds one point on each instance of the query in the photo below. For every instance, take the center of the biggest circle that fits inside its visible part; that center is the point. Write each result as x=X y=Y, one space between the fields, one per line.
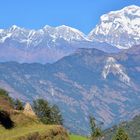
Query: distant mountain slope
x=132 y=128
x=87 y=82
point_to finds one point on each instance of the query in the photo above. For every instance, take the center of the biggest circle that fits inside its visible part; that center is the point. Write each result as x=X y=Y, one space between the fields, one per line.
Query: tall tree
x=121 y=135
x=96 y=132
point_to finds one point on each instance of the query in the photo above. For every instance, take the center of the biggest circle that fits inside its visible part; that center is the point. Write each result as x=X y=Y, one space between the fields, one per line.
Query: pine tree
x=121 y=135
x=96 y=132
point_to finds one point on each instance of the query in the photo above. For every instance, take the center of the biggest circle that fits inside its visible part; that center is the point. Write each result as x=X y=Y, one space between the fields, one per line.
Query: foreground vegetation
x=25 y=127
x=76 y=137
x=34 y=132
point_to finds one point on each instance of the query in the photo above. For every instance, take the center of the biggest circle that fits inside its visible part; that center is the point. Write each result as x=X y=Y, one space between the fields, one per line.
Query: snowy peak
x=119 y=28
x=69 y=33
x=14 y=28
x=111 y=66
x=65 y=32
x=133 y=9
x=128 y=13
x=14 y=33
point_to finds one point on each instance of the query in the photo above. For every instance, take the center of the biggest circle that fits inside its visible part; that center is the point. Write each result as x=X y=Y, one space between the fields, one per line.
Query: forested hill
x=132 y=128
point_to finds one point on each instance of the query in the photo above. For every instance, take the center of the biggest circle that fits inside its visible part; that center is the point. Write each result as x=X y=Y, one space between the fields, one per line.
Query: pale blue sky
x=80 y=14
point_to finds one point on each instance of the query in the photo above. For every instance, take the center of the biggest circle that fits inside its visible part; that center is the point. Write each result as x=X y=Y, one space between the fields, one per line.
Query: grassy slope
x=32 y=130
x=76 y=137
x=28 y=127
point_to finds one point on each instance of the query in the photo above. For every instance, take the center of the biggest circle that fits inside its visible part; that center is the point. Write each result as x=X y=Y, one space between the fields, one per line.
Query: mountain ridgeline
x=116 y=30
x=88 y=81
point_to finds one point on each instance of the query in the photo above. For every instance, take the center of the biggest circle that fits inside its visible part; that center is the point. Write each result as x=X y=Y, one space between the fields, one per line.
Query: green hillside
x=34 y=132
x=15 y=125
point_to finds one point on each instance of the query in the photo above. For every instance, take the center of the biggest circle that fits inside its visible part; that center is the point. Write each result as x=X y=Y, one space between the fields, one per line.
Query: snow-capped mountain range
x=34 y=37
x=116 y=30
x=44 y=45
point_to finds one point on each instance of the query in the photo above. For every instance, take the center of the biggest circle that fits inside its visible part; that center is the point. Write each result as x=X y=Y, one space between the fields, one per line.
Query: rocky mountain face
x=119 y=28
x=88 y=81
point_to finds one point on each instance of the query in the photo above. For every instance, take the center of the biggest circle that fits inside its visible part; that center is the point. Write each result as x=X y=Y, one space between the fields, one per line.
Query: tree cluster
x=121 y=135
x=48 y=114
x=97 y=134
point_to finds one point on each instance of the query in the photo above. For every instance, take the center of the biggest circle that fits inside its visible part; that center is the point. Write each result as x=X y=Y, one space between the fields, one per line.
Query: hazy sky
x=80 y=14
